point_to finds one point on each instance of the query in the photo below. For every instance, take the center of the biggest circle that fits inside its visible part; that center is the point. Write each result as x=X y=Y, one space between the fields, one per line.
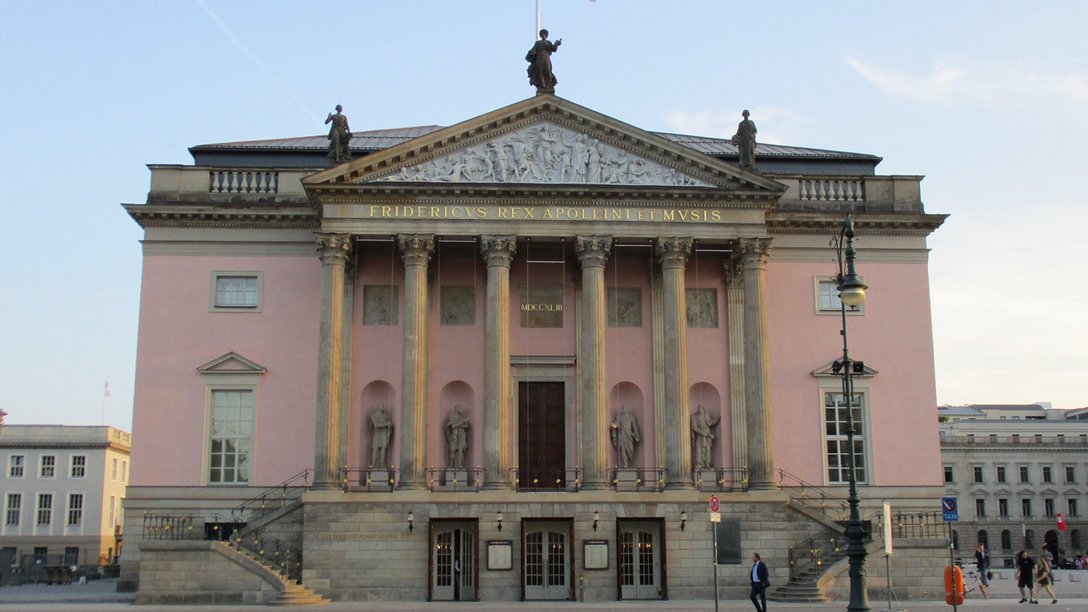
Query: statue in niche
x=457 y=437
x=702 y=429
x=339 y=136
x=625 y=435
x=381 y=431
x=540 y=63
x=745 y=139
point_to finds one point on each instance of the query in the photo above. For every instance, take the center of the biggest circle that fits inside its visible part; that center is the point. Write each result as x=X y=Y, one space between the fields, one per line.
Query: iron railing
x=812 y=496
x=273 y=498
x=369 y=480
x=273 y=553
x=721 y=479
x=455 y=479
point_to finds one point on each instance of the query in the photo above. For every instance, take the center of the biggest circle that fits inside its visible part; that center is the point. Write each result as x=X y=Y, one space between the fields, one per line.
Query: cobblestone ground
x=101 y=595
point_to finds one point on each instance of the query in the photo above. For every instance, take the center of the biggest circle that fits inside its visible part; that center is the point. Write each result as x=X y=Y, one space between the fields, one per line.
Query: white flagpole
x=536 y=33
x=105 y=394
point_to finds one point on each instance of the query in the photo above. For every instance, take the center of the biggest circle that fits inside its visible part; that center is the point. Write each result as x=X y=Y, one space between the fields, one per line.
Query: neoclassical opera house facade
x=514 y=358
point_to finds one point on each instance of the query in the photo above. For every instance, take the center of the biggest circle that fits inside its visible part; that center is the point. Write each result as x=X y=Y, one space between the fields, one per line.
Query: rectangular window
x=237 y=291
x=1071 y=506
x=79 y=466
x=124 y=471
x=977 y=471
x=71 y=555
x=980 y=508
x=231 y=436
x=1070 y=474
x=15 y=466
x=49 y=466
x=949 y=477
x=1024 y=474
x=1001 y=474
x=1003 y=508
x=75 y=508
x=827 y=297
x=838 y=451
x=1048 y=475
x=45 y=508
x=14 y=509
x=1025 y=507
x=41 y=553
x=114 y=471
x=113 y=511
x=1048 y=507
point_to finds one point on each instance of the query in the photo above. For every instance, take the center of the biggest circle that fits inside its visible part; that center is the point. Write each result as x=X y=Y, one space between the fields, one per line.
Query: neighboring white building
x=1014 y=469
x=62 y=491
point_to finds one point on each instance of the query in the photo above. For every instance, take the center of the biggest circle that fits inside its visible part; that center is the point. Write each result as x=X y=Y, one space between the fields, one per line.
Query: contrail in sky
x=237 y=43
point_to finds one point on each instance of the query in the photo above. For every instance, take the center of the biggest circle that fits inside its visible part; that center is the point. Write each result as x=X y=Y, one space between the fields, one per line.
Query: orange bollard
x=953 y=585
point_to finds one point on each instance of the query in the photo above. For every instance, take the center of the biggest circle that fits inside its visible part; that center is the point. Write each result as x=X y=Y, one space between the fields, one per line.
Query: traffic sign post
x=950 y=511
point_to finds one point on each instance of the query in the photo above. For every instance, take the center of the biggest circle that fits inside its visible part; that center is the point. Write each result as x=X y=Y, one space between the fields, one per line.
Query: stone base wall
x=917 y=572
x=201 y=572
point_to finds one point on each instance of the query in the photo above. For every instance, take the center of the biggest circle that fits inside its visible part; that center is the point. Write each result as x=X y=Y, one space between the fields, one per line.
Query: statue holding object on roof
x=339 y=136
x=745 y=139
x=540 y=63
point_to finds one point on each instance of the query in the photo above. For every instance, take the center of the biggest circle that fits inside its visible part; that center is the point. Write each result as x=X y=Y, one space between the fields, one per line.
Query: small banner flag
x=106 y=392
x=1061 y=522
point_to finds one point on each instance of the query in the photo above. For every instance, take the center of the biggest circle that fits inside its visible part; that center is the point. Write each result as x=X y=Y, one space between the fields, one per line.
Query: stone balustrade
x=176 y=183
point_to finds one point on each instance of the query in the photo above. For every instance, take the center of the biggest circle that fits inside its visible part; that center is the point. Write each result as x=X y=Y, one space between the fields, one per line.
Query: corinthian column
x=593 y=253
x=500 y=422
x=416 y=251
x=734 y=307
x=673 y=255
x=333 y=250
x=757 y=396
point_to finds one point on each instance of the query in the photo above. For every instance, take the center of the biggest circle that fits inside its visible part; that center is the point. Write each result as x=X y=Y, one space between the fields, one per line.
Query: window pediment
x=231 y=363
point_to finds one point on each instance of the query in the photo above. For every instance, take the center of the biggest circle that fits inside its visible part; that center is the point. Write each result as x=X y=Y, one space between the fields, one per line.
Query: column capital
x=592 y=250
x=498 y=250
x=732 y=270
x=333 y=248
x=416 y=249
x=673 y=252
x=754 y=251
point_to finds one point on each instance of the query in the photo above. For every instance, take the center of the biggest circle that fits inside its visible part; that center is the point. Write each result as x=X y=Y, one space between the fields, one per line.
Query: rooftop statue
x=339 y=136
x=745 y=139
x=540 y=63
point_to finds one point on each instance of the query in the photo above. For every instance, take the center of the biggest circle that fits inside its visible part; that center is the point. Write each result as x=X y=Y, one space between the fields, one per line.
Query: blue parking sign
x=950 y=509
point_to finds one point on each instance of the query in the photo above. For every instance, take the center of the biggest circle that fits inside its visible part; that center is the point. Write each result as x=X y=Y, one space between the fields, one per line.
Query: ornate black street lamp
x=851 y=294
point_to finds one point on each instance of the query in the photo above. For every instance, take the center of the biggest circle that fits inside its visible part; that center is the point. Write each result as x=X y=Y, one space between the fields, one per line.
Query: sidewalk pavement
x=101 y=595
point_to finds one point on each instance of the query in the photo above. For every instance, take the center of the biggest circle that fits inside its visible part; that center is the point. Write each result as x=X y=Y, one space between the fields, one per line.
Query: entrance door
x=541 y=435
x=547 y=561
x=453 y=559
x=640 y=560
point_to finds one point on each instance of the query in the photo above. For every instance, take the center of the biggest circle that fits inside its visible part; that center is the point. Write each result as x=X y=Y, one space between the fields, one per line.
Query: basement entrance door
x=640 y=560
x=453 y=562
x=546 y=566
x=541 y=436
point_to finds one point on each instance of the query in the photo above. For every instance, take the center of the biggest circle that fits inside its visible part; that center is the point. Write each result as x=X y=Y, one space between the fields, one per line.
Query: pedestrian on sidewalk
x=1044 y=577
x=760 y=582
x=1025 y=576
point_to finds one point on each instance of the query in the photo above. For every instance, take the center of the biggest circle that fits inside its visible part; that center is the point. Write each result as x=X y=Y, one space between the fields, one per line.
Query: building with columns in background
x=513 y=358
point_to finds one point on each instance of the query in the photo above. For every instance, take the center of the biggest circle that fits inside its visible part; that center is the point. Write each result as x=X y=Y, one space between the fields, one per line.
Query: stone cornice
x=779 y=222
x=217 y=216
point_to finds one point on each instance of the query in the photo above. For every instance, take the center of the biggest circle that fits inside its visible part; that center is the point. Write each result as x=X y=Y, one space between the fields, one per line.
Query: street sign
x=715 y=504
x=950 y=509
x=715 y=517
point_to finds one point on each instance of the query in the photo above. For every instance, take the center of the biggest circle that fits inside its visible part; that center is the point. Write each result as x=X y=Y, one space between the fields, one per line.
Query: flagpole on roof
x=537 y=20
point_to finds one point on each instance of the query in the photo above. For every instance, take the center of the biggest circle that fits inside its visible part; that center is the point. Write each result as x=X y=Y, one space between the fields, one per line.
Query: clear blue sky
x=987 y=99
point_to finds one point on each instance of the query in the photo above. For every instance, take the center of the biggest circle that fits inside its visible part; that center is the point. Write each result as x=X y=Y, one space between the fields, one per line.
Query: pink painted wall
x=894 y=337
x=628 y=358
x=178 y=334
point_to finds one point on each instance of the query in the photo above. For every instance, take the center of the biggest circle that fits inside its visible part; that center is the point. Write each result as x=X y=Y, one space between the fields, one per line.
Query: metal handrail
x=817 y=552
x=272 y=552
x=567 y=483
x=809 y=491
x=725 y=479
x=439 y=478
x=652 y=479
x=362 y=479
x=278 y=496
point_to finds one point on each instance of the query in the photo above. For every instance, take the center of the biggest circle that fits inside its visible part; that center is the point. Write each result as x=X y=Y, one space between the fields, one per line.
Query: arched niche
x=454 y=393
x=629 y=395
x=707 y=395
x=374 y=393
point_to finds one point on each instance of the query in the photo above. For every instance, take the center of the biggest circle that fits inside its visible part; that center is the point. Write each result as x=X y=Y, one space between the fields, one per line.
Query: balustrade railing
x=238 y=180
x=276 y=554
x=913 y=524
x=570 y=480
x=816 y=554
x=173 y=527
x=831 y=189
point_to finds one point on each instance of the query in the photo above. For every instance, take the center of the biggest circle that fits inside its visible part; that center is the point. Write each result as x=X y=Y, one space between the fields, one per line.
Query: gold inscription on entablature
x=545 y=213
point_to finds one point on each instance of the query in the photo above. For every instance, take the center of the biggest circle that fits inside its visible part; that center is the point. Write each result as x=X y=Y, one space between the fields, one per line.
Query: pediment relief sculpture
x=545 y=153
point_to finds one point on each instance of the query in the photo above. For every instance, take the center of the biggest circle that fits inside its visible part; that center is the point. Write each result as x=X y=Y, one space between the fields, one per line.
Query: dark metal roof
x=376 y=140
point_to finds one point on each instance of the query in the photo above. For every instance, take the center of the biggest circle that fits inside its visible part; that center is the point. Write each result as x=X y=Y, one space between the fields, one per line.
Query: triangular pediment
x=231 y=363
x=545 y=141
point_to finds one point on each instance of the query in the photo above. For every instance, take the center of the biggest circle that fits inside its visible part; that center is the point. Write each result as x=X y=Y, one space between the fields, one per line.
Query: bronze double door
x=541 y=435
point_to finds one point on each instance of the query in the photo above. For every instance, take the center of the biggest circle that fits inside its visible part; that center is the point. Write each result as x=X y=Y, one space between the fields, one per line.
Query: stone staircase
x=298 y=595
x=803 y=588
